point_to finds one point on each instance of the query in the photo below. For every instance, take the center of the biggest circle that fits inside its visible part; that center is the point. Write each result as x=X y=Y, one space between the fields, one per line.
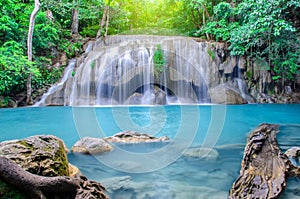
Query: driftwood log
x=40 y=187
x=264 y=167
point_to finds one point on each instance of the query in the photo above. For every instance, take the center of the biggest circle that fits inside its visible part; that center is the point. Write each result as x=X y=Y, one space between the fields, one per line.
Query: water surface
x=223 y=127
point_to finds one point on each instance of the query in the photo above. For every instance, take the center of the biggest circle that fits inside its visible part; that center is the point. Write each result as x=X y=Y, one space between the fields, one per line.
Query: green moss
x=211 y=54
x=249 y=74
x=9 y=192
x=26 y=144
x=93 y=64
x=271 y=92
x=159 y=61
x=61 y=156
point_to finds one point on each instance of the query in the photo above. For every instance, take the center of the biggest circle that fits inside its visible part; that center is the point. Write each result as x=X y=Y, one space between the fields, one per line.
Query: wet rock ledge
x=264 y=168
x=37 y=168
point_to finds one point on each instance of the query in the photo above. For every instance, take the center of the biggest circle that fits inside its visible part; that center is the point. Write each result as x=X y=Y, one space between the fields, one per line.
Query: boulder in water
x=264 y=167
x=134 y=137
x=293 y=152
x=223 y=95
x=90 y=145
x=26 y=166
x=41 y=155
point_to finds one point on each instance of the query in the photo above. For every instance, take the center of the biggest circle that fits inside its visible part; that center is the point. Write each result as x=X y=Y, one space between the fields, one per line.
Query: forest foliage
x=262 y=30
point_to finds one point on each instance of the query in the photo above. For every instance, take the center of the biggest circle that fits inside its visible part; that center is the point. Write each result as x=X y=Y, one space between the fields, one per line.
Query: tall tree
x=29 y=46
x=75 y=21
x=105 y=19
x=201 y=7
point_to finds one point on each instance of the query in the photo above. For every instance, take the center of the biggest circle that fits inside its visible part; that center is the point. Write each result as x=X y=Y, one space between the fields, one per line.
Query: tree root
x=40 y=187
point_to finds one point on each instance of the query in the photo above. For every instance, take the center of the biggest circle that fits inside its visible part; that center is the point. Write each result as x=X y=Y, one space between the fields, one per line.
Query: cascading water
x=120 y=70
x=145 y=61
x=51 y=92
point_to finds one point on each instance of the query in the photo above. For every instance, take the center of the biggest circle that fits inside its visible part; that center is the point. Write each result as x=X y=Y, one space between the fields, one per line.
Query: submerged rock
x=90 y=145
x=117 y=183
x=134 y=137
x=264 y=167
x=202 y=153
x=125 y=187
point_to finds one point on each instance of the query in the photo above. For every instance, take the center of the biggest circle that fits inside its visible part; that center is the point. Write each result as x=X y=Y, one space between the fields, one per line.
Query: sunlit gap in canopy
x=156 y=17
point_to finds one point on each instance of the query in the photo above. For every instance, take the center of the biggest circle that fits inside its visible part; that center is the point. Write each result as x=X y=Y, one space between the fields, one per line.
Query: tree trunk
x=102 y=23
x=204 y=11
x=29 y=46
x=75 y=21
x=204 y=21
x=107 y=22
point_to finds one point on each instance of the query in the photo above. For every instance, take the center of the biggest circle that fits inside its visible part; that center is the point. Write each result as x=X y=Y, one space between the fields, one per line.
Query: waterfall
x=120 y=70
x=145 y=61
x=57 y=87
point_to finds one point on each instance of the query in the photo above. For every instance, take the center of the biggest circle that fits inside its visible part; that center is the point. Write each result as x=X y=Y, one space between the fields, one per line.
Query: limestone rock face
x=41 y=155
x=154 y=97
x=134 y=137
x=160 y=96
x=121 y=65
x=264 y=167
x=90 y=145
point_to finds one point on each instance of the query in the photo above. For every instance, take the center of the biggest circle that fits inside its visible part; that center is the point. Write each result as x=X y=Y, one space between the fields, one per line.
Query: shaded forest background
x=263 y=30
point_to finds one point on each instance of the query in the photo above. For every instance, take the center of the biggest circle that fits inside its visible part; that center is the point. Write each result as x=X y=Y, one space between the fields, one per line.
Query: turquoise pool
x=159 y=170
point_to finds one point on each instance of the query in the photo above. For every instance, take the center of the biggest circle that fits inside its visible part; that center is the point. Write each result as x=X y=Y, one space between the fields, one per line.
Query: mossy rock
x=41 y=155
